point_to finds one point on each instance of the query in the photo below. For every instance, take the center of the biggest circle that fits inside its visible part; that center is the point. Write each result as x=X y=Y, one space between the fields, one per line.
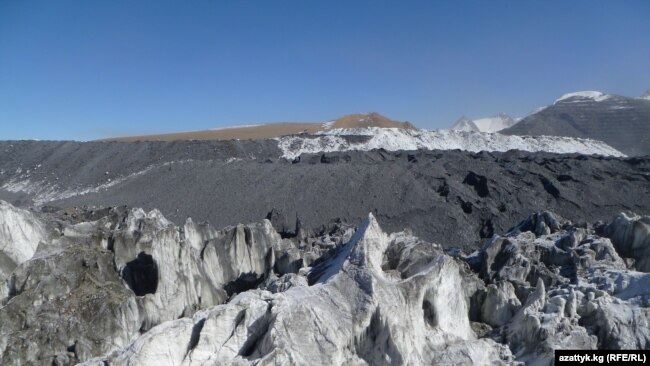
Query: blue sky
x=91 y=69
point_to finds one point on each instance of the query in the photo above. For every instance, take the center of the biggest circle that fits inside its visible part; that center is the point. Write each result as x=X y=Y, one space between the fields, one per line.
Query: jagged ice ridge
x=129 y=287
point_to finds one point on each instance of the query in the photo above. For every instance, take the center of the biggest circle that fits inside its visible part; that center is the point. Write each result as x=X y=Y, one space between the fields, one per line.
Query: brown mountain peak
x=371 y=119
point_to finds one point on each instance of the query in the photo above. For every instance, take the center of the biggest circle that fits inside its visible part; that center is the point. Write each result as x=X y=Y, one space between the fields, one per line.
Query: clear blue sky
x=90 y=69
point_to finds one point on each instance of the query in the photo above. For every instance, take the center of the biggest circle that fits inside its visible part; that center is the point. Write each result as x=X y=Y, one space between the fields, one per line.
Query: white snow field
x=394 y=139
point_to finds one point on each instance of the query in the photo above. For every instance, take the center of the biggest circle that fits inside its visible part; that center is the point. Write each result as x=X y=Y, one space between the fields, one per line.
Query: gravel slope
x=450 y=197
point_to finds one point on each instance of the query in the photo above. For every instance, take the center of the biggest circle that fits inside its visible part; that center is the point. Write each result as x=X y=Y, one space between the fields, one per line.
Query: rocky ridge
x=125 y=286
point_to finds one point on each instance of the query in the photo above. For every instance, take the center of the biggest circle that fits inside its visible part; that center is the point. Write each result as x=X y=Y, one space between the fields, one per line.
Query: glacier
x=126 y=286
x=394 y=139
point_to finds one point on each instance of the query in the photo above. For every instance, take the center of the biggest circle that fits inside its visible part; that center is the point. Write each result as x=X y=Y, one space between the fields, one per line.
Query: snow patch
x=646 y=96
x=45 y=192
x=232 y=160
x=233 y=127
x=48 y=190
x=328 y=125
x=494 y=124
x=538 y=109
x=579 y=96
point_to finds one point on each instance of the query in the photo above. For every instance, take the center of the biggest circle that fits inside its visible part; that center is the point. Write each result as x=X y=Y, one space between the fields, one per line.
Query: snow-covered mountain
x=393 y=139
x=646 y=95
x=619 y=121
x=488 y=124
x=579 y=97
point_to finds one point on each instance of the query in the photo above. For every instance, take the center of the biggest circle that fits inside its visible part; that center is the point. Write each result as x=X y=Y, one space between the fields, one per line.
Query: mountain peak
x=463 y=119
x=619 y=121
x=370 y=119
x=489 y=124
x=464 y=124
